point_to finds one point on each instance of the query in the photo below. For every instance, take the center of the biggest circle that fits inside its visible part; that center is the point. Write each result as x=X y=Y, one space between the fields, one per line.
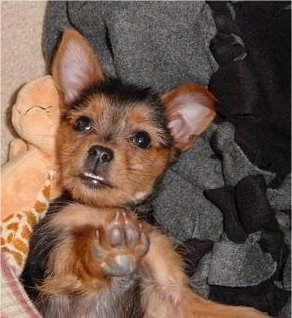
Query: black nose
x=99 y=155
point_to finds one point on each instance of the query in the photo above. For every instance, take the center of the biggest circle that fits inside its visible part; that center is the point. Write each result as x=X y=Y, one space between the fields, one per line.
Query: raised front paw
x=120 y=245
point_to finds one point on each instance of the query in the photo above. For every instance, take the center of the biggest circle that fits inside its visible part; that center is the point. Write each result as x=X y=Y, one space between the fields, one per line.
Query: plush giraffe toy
x=32 y=161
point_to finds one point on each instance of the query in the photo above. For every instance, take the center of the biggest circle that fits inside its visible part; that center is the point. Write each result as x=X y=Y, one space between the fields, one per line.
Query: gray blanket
x=162 y=45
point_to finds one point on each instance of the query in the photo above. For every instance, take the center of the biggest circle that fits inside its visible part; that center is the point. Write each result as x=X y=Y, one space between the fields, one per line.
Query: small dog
x=94 y=255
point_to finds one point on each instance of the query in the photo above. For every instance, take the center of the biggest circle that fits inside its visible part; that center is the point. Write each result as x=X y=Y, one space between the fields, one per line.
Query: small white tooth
x=93 y=176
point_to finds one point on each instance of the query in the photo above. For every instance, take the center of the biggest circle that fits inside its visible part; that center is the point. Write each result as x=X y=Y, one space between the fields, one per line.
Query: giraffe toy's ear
x=189 y=109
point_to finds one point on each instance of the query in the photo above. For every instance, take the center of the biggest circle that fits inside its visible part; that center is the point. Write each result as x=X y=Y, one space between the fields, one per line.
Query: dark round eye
x=83 y=124
x=141 y=139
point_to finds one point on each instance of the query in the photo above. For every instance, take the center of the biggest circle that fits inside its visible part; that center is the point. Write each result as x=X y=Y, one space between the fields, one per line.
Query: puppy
x=93 y=255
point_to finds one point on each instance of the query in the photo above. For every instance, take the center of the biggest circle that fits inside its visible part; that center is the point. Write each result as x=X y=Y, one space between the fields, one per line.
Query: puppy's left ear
x=189 y=110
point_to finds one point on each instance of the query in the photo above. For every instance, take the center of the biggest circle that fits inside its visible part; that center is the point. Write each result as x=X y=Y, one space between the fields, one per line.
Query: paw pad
x=120 y=245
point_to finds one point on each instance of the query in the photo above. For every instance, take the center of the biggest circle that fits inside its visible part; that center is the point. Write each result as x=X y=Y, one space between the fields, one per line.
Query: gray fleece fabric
x=146 y=43
x=162 y=45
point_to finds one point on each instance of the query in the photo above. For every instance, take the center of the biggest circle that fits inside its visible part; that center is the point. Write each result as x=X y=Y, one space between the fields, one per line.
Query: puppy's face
x=113 y=146
x=116 y=140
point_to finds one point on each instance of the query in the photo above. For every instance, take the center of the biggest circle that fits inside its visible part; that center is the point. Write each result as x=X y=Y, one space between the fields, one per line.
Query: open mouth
x=94 y=180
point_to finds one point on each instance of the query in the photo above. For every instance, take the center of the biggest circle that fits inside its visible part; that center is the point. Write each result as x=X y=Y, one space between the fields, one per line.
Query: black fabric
x=253 y=87
x=246 y=210
x=192 y=251
x=253 y=84
x=265 y=297
x=225 y=199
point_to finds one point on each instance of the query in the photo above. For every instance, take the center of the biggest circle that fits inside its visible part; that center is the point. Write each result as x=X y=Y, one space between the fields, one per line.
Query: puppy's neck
x=143 y=209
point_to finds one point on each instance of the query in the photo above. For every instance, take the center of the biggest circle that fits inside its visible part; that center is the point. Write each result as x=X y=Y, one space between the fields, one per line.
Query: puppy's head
x=115 y=140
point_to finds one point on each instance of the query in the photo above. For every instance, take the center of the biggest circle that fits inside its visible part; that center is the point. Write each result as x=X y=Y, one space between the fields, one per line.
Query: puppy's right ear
x=190 y=109
x=75 y=65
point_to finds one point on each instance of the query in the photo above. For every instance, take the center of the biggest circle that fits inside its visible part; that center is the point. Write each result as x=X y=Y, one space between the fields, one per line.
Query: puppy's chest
x=120 y=300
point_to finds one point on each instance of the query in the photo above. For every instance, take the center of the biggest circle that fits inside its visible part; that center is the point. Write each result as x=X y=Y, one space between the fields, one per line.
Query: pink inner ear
x=189 y=119
x=77 y=70
x=190 y=110
x=179 y=130
x=73 y=69
x=75 y=65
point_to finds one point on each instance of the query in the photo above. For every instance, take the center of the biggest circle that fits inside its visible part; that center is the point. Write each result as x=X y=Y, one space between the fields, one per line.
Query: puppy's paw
x=120 y=245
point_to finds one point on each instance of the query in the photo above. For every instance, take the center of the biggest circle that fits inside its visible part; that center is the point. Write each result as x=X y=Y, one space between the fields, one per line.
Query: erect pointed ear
x=75 y=65
x=189 y=110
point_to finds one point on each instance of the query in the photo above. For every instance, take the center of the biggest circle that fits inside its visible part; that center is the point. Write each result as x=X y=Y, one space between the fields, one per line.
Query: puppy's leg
x=95 y=246
x=165 y=291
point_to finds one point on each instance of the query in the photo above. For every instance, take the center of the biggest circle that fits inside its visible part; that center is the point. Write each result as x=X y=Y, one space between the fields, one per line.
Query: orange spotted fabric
x=16 y=229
